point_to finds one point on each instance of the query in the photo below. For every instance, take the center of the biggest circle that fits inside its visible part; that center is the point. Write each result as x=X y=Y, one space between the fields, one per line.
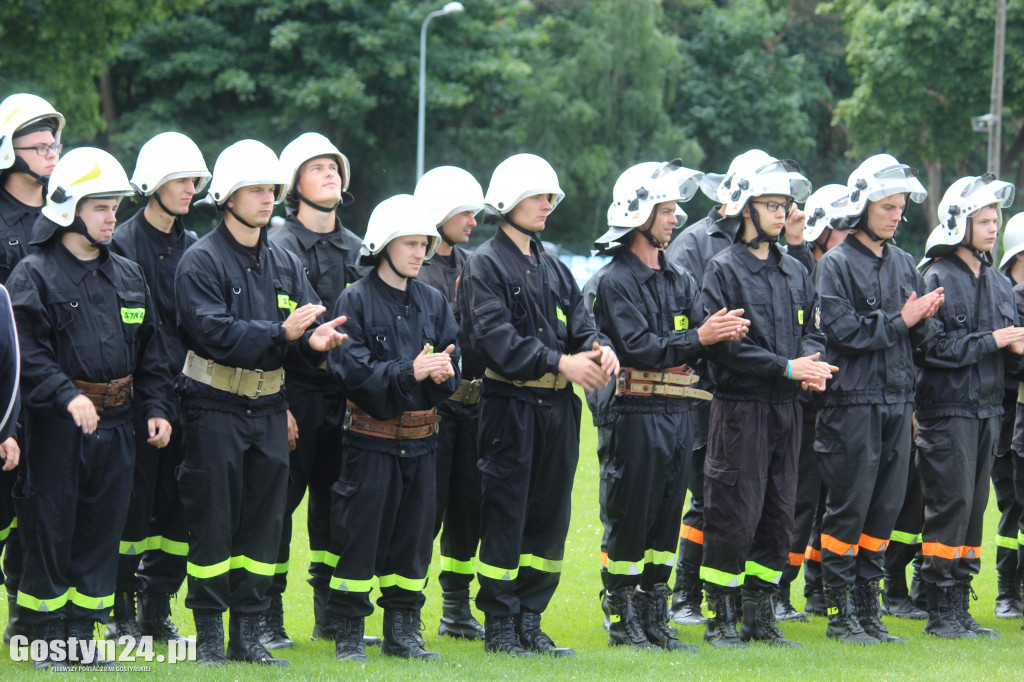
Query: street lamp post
x=450 y=8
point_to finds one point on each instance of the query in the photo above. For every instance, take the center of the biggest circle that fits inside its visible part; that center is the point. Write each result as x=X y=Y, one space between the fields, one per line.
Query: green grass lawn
x=574 y=619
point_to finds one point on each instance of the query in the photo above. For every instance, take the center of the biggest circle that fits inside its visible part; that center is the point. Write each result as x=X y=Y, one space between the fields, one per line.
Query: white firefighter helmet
x=825 y=208
x=81 y=173
x=1013 y=240
x=880 y=176
x=520 y=176
x=963 y=199
x=169 y=156
x=932 y=248
x=398 y=216
x=755 y=173
x=20 y=111
x=243 y=164
x=447 y=190
x=311 y=146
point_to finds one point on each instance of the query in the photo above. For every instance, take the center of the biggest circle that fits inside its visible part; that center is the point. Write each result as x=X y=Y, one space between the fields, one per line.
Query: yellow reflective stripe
x=539 y=563
x=211 y=571
x=133 y=315
x=721 y=578
x=286 y=303
x=763 y=572
x=253 y=566
x=133 y=547
x=395 y=580
x=27 y=601
x=681 y=322
x=495 y=572
x=319 y=556
x=1008 y=543
x=7 y=531
x=906 y=538
x=625 y=567
x=87 y=602
x=168 y=546
x=235 y=562
x=656 y=558
x=350 y=585
x=560 y=314
x=455 y=566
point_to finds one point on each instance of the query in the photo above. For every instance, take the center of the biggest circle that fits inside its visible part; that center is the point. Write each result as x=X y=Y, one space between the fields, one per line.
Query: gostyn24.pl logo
x=126 y=649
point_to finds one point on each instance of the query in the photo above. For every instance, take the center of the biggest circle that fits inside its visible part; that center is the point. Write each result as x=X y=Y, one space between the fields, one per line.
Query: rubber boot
x=687 y=596
x=124 y=623
x=1008 y=601
x=869 y=612
x=457 y=618
x=500 y=636
x=402 y=636
x=244 y=641
x=720 y=625
x=155 y=617
x=209 y=638
x=652 y=609
x=624 y=629
x=14 y=624
x=759 y=619
x=51 y=631
x=81 y=640
x=964 y=592
x=535 y=639
x=348 y=640
x=843 y=622
x=272 y=632
x=784 y=610
x=942 y=620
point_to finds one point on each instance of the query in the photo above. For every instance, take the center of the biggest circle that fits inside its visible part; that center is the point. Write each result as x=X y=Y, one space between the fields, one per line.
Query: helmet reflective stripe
x=826 y=208
x=1013 y=240
x=447 y=190
x=17 y=111
x=520 y=176
x=881 y=176
x=169 y=156
x=82 y=173
x=398 y=216
x=963 y=199
x=243 y=164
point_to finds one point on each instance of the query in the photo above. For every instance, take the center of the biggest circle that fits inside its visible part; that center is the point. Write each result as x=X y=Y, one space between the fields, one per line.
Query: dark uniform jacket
x=696 y=245
x=92 y=324
x=521 y=315
x=651 y=317
x=963 y=371
x=386 y=331
x=16 y=221
x=778 y=298
x=231 y=302
x=861 y=296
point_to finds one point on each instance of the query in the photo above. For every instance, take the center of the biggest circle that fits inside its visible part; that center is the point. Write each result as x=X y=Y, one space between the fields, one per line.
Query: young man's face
x=986 y=228
x=254 y=204
x=532 y=212
x=664 y=221
x=885 y=214
x=177 y=194
x=771 y=211
x=407 y=254
x=40 y=164
x=459 y=226
x=320 y=181
x=99 y=216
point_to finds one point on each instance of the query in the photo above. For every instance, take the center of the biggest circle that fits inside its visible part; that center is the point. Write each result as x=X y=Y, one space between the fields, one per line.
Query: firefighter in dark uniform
x=401 y=363
x=454 y=197
x=243 y=306
x=87 y=327
x=317 y=176
x=874 y=312
x=30 y=131
x=960 y=395
x=522 y=313
x=754 y=432
x=649 y=310
x=154 y=544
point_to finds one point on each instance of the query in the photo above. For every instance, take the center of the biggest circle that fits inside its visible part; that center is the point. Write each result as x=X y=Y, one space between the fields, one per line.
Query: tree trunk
x=934 y=187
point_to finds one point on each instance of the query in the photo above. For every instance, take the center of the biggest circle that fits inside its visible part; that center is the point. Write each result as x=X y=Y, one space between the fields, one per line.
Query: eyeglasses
x=43 y=149
x=774 y=206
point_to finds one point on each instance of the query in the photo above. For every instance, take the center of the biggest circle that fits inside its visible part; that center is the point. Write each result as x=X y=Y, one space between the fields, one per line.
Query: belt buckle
x=622 y=380
x=346 y=422
x=259 y=384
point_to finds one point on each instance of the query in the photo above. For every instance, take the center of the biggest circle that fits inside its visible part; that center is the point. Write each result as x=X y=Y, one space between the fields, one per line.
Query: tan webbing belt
x=671 y=383
x=250 y=383
x=468 y=392
x=549 y=380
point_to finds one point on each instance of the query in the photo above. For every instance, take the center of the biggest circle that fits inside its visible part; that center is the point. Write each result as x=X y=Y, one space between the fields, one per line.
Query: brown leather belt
x=549 y=380
x=407 y=426
x=250 y=383
x=111 y=394
x=468 y=392
x=670 y=383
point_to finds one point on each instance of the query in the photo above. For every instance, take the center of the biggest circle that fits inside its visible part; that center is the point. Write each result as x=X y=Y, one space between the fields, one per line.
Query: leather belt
x=111 y=394
x=549 y=380
x=468 y=392
x=671 y=383
x=249 y=383
x=407 y=426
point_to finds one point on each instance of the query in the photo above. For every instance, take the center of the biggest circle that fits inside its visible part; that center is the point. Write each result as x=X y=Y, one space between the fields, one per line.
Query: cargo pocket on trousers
x=341 y=496
x=612 y=469
x=723 y=472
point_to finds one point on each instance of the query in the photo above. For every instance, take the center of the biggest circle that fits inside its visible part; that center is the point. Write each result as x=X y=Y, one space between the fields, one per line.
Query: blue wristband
x=789 y=369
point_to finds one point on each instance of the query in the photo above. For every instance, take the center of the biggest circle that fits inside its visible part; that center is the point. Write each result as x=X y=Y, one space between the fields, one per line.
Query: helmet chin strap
x=318 y=207
x=21 y=166
x=78 y=226
x=241 y=220
x=762 y=236
x=645 y=230
x=968 y=243
x=445 y=238
x=166 y=210
x=391 y=264
x=508 y=219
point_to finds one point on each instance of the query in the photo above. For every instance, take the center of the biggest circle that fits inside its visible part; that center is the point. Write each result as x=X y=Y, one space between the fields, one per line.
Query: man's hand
x=919 y=308
x=1007 y=336
x=811 y=372
x=327 y=335
x=10 y=453
x=583 y=368
x=293 y=430
x=427 y=364
x=609 y=361
x=159 y=432
x=300 y=319
x=724 y=325
x=84 y=413
x=795 y=221
x=441 y=375
x=1017 y=347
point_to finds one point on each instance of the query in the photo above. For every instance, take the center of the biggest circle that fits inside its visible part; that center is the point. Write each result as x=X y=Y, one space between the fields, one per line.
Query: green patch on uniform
x=133 y=315
x=286 y=303
x=681 y=322
x=800 y=316
x=561 y=316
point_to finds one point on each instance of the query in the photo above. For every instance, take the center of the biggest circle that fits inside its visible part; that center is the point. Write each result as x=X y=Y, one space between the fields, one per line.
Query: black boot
x=1008 y=601
x=535 y=639
x=51 y=631
x=624 y=628
x=964 y=592
x=784 y=608
x=759 y=619
x=272 y=632
x=348 y=640
x=244 y=641
x=686 y=599
x=843 y=622
x=942 y=620
x=155 y=617
x=720 y=626
x=402 y=636
x=500 y=636
x=81 y=639
x=869 y=612
x=322 y=626
x=815 y=604
x=918 y=588
x=652 y=608
x=124 y=623
x=457 y=618
x=209 y=637
x=606 y=621
x=14 y=624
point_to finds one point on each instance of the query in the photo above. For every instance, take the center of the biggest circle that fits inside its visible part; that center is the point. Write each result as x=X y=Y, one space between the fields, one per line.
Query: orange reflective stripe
x=604 y=559
x=692 y=534
x=970 y=552
x=795 y=559
x=872 y=544
x=812 y=554
x=940 y=550
x=836 y=547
